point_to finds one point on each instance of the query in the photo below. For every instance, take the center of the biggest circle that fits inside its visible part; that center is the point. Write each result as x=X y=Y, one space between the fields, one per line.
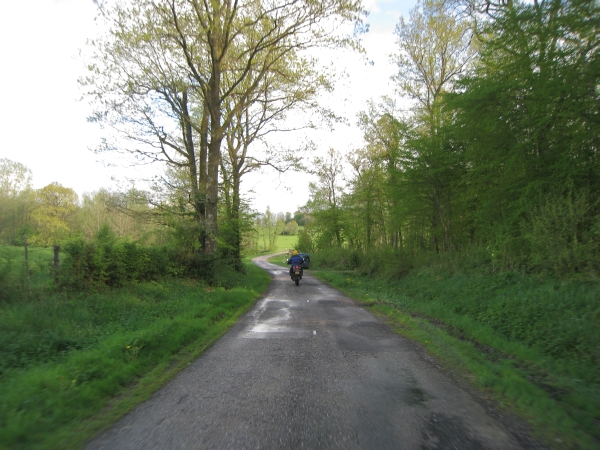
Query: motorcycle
x=296 y=274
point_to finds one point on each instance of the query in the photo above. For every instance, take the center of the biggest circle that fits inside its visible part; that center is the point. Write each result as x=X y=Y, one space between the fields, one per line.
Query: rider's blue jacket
x=296 y=259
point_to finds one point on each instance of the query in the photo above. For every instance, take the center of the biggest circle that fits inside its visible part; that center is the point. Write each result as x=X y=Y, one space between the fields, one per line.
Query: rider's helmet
x=295 y=252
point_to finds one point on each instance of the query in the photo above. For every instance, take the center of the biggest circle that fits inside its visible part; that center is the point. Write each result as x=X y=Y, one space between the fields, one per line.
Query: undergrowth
x=18 y=280
x=64 y=358
x=532 y=344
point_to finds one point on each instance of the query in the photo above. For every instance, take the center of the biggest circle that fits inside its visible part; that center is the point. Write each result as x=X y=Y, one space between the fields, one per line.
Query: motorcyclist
x=295 y=259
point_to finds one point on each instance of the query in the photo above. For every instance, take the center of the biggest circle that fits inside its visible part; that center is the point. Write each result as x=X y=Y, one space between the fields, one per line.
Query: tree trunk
x=434 y=225
x=216 y=134
x=368 y=227
x=236 y=241
x=203 y=176
x=212 y=192
x=195 y=179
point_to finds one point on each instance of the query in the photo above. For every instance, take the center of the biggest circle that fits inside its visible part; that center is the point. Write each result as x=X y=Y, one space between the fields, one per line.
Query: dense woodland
x=496 y=164
x=486 y=153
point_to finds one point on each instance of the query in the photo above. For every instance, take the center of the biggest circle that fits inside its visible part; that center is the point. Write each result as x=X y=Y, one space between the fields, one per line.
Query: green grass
x=12 y=266
x=282 y=244
x=71 y=365
x=39 y=257
x=531 y=346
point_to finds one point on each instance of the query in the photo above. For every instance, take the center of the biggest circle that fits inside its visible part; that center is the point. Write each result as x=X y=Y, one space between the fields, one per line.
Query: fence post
x=56 y=262
x=27 y=280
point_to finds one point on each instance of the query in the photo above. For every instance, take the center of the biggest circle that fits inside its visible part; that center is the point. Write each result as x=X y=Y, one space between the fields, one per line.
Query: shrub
x=106 y=261
x=563 y=235
x=305 y=241
x=10 y=286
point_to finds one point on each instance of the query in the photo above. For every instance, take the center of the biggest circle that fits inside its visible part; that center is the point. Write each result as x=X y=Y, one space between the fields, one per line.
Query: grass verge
x=282 y=243
x=532 y=347
x=14 y=279
x=71 y=365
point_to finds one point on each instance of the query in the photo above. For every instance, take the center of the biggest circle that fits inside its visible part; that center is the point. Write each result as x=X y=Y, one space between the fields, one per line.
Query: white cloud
x=44 y=126
x=371 y=6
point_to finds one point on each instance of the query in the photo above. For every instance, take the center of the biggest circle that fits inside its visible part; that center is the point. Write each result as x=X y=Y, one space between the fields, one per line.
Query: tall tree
x=326 y=194
x=529 y=120
x=435 y=46
x=140 y=91
x=280 y=92
x=369 y=200
x=387 y=151
x=221 y=52
x=94 y=212
x=15 y=200
x=14 y=178
x=54 y=214
x=256 y=35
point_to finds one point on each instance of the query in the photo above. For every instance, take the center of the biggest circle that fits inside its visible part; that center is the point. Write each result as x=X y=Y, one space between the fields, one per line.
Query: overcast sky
x=43 y=123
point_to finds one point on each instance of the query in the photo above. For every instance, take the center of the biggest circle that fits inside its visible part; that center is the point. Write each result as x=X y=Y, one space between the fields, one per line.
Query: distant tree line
x=104 y=230
x=53 y=214
x=268 y=226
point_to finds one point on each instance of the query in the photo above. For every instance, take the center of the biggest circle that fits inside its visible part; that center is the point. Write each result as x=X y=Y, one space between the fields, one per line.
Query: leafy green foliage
x=55 y=209
x=16 y=284
x=498 y=158
x=304 y=241
x=532 y=344
x=107 y=261
x=64 y=357
x=16 y=199
x=9 y=289
x=563 y=235
x=525 y=119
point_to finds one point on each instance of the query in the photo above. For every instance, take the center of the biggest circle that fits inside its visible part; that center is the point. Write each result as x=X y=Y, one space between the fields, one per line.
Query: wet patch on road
x=336 y=303
x=272 y=319
x=354 y=343
x=414 y=396
x=446 y=432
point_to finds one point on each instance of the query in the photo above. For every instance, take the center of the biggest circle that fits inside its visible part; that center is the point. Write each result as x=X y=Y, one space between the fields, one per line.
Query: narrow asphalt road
x=308 y=368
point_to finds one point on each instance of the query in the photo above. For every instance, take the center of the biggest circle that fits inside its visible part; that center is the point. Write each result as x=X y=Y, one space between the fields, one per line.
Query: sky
x=43 y=121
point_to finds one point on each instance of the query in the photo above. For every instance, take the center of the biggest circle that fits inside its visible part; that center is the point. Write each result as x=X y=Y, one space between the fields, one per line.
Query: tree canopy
x=178 y=78
x=499 y=155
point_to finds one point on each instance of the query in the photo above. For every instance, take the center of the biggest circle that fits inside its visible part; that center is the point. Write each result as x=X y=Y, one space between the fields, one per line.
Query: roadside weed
x=72 y=364
x=530 y=345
